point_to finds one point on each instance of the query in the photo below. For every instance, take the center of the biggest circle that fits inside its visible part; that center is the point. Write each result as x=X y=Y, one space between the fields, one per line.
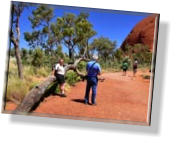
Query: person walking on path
x=125 y=67
x=93 y=70
x=135 y=66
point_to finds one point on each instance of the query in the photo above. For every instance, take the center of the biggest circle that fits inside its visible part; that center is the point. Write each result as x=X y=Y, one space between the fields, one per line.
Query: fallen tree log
x=34 y=96
x=37 y=93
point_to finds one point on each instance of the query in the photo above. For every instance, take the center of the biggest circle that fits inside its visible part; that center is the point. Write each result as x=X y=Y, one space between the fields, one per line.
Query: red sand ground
x=119 y=97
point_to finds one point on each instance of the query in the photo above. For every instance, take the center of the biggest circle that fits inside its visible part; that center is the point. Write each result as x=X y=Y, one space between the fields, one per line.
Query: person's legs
x=62 y=88
x=94 y=90
x=134 y=72
x=125 y=72
x=88 y=86
x=94 y=93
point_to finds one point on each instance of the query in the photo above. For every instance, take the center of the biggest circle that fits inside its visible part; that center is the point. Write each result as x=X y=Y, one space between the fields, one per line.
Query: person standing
x=135 y=66
x=93 y=70
x=124 y=67
x=59 y=73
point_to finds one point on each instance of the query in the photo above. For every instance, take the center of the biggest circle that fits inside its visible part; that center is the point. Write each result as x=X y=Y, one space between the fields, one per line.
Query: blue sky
x=113 y=24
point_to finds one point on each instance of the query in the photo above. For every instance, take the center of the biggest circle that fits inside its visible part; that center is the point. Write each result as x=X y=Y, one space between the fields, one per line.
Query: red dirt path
x=119 y=97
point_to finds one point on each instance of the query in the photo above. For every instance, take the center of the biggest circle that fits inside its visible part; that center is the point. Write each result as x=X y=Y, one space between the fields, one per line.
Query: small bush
x=38 y=57
x=146 y=76
x=72 y=78
x=82 y=66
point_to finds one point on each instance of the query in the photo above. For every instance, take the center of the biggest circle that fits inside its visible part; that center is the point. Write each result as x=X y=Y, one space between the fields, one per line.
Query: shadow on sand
x=78 y=100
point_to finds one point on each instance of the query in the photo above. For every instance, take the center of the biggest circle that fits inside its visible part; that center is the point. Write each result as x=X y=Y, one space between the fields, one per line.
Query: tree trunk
x=19 y=62
x=18 y=57
x=15 y=41
x=71 y=53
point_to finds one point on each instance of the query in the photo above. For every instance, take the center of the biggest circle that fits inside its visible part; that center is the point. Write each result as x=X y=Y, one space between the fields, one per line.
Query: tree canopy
x=104 y=46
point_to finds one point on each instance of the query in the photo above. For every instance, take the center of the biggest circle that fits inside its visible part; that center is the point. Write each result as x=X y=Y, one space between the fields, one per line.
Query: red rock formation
x=142 y=33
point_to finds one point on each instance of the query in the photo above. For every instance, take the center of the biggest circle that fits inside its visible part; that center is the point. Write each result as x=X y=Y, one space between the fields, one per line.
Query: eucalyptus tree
x=86 y=31
x=74 y=32
x=41 y=35
x=16 y=11
x=104 y=46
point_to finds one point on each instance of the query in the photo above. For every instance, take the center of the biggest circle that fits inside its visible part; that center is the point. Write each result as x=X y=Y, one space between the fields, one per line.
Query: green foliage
x=12 y=52
x=110 y=65
x=146 y=76
x=24 y=56
x=140 y=52
x=82 y=66
x=33 y=39
x=41 y=36
x=74 y=31
x=126 y=59
x=59 y=52
x=38 y=56
x=42 y=15
x=104 y=46
x=118 y=55
x=72 y=78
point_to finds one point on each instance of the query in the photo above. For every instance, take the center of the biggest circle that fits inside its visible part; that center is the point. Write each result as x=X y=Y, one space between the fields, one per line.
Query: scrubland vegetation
x=30 y=65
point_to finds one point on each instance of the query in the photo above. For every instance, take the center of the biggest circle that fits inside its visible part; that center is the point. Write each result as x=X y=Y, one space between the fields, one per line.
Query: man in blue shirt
x=93 y=70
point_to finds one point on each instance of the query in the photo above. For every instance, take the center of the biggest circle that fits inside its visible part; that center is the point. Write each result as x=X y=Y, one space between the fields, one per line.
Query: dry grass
x=17 y=88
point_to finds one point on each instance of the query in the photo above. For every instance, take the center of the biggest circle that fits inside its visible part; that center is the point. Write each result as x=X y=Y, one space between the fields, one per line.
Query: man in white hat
x=93 y=70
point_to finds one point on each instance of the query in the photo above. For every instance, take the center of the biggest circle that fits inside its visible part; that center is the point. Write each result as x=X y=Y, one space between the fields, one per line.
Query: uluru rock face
x=142 y=33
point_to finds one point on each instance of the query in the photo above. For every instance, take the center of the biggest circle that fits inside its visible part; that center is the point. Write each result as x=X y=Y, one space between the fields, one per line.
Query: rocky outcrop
x=142 y=33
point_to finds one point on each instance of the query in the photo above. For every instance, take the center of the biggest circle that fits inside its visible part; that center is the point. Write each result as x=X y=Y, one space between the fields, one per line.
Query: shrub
x=146 y=76
x=82 y=66
x=72 y=78
x=38 y=56
x=118 y=55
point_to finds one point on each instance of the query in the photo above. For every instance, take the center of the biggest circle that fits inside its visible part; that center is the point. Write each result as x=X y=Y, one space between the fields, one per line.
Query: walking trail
x=118 y=98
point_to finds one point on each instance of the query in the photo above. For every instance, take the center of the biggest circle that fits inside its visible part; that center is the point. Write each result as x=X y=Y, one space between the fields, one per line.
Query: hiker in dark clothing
x=124 y=67
x=135 y=66
x=93 y=70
